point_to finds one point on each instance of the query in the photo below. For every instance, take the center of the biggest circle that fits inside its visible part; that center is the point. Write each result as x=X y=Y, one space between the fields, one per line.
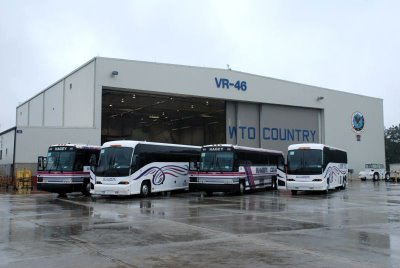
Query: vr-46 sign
x=225 y=83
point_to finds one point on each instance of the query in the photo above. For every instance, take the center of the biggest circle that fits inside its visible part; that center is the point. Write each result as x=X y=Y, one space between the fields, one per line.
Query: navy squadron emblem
x=358 y=121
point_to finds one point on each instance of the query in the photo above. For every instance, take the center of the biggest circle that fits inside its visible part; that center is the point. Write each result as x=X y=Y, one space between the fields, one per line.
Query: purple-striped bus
x=232 y=168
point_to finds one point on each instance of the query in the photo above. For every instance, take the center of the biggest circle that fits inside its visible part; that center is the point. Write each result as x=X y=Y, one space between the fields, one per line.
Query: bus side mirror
x=42 y=163
x=194 y=165
x=93 y=165
x=92 y=161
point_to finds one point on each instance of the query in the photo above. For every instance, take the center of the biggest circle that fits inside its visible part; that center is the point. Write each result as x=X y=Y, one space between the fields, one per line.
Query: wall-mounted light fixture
x=320 y=98
x=114 y=73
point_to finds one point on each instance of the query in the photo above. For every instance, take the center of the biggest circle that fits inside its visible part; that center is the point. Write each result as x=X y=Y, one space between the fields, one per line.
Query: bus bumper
x=60 y=187
x=208 y=187
x=306 y=186
x=101 y=189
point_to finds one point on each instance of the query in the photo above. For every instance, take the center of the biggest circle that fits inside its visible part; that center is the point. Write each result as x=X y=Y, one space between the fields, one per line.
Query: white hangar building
x=108 y=99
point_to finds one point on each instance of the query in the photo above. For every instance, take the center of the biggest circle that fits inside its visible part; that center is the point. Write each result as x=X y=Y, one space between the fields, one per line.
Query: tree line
x=392 y=145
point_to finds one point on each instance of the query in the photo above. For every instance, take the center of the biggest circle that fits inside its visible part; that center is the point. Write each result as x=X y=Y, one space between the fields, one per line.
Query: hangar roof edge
x=240 y=72
x=58 y=81
x=185 y=66
x=7 y=130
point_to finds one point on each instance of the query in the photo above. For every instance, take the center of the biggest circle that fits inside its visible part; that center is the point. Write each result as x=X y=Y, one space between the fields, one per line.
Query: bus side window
x=78 y=165
x=134 y=163
x=235 y=163
x=244 y=159
x=326 y=158
x=144 y=159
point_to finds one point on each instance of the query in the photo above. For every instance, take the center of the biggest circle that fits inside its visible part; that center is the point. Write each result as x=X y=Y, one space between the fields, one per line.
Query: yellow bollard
x=23 y=181
x=27 y=173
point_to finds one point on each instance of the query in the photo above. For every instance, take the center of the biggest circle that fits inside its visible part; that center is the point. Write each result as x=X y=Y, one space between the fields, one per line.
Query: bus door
x=281 y=173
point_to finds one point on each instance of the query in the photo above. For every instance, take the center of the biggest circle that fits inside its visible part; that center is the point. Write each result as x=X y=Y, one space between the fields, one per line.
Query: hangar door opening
x=272 y=126
x=130 y=115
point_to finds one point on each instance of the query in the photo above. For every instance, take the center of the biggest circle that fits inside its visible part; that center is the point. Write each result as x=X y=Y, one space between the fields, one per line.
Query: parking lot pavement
x=357 y=227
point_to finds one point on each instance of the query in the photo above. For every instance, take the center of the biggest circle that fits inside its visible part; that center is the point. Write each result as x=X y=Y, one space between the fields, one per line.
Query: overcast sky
x=346 y=45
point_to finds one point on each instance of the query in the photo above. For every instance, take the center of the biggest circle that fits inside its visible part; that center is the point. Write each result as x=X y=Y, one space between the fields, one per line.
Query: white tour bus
x=313 y=167
x=232 y=168
x=136 y=167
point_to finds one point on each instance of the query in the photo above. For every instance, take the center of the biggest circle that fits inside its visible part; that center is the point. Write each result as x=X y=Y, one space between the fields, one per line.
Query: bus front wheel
x=209 y=193
x=145 y=189
x=344 y=185
x=86 y=189
x=294 y=192
x=241 y=187
x=274 y=183
x=62 y=195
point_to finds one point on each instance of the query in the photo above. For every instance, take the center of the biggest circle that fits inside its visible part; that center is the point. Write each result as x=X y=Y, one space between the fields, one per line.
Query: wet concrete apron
x=357 y=227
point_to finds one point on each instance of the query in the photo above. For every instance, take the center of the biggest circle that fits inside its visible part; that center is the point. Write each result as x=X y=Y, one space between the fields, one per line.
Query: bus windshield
x=304 y=162
x=216 y=161
x=60 y=161
x=114 y=161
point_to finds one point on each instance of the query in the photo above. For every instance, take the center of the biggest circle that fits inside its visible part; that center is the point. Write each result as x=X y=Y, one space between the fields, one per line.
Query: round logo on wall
x=358 y=122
